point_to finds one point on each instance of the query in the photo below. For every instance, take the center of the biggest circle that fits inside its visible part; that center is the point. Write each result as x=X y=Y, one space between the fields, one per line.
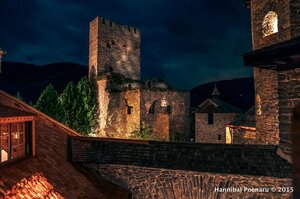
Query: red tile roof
x=49 y=171
x=6 y=111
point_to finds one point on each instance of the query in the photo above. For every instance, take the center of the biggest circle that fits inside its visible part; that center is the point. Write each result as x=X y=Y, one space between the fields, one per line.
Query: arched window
x=152 y=108
x=270 y=24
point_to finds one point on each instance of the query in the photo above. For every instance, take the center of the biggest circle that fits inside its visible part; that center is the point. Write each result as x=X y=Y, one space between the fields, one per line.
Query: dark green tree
x=80 y=105
x=49 y=104
x=86 y=106
x=68 y=100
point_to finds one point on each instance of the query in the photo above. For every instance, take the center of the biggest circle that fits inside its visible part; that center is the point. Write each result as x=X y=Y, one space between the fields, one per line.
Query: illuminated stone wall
x=259 y=9
x=114 y=63
x=114 y=120
x=145 y=182
x=208 y=133
x=176 y=122
x=115 y=48
x=242 y=136
x=269 y=119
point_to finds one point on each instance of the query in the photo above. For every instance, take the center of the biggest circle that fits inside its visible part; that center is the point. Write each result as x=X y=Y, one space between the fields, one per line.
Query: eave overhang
x=282 y=56
x=16 y=119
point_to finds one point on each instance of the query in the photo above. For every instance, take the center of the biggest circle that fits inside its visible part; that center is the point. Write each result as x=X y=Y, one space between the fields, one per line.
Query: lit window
x=270 y=24
x=164 y=103
x=12 y=141
x=258 y=105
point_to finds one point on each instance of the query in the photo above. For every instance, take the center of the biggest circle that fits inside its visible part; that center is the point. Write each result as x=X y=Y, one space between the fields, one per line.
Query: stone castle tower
x=125 y=102
x=275 y=25
x=114 y=48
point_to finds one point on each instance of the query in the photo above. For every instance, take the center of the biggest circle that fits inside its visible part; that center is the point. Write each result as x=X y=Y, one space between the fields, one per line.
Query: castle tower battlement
x=114 y=48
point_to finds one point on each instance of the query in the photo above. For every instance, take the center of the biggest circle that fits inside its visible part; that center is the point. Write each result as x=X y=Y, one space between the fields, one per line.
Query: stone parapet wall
x=236 y=159
x=145 y=182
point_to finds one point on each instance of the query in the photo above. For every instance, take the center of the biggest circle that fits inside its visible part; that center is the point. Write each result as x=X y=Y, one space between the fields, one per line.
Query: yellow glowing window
x=270 y=24
x=258 y=105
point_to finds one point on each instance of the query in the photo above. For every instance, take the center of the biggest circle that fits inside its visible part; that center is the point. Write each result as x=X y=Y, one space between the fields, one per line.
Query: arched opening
x=152 y=108
x=270 y=24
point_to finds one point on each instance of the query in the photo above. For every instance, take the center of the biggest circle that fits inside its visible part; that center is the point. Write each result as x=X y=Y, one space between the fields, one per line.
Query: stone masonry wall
x=114 y=48
x=222 y=158
x=269 y=98
x=177 y=121
x=208 y=133
x=295 y=17
x=114 y=119
x=242 y=136
x=93 y=48
x=289 y=98
x=259 y=9
x=267 y=118
x=183 y=170
x=145 y=182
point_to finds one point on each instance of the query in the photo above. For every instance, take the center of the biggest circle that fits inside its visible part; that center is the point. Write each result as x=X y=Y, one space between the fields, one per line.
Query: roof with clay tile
x=48 y=173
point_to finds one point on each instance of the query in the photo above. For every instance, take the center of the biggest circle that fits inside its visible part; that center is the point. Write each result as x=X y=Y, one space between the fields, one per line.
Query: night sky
x=187 y=43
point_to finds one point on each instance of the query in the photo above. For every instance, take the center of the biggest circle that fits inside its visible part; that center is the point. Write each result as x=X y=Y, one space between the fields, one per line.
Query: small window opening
x=108 y=45
x=152 y=108
x=270 y=24
x=129 y=110
x=169 y=110
x=219 y=137
x=210 y=118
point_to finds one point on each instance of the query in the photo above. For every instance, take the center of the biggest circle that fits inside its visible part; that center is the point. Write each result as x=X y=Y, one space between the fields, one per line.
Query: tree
x=68 y=100
x=18 y=95
x=80 y=105
x=86 y=111
x=144 y=132
x=76 y=107
x=48 y=103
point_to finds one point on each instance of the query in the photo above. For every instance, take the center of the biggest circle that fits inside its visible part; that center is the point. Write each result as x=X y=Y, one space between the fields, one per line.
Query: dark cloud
x=186 y=42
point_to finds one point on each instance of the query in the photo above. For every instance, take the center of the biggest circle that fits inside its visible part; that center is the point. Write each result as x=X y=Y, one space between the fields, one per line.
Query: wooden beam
x=16 y=119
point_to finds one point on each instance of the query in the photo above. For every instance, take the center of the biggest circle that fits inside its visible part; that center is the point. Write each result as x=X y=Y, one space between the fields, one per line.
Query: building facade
x=211 y=118
x=126 y=103
x=275 y=40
